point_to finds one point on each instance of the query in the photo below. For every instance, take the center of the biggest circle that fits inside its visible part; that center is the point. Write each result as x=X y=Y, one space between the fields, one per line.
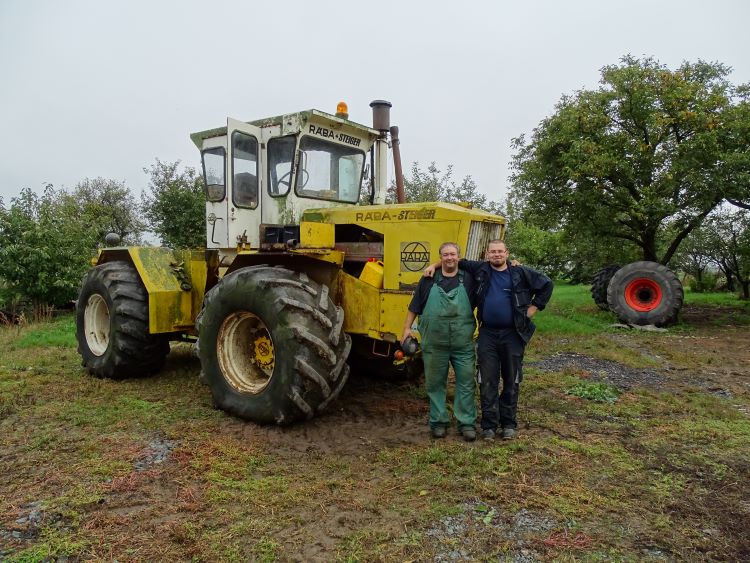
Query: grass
x=599 y=392
x=651 y=473
x=56 y=333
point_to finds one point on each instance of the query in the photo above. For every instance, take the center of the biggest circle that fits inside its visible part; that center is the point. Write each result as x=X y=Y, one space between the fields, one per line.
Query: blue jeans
x=500 y=354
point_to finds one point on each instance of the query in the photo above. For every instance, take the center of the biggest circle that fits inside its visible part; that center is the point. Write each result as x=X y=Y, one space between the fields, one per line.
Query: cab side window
x=213 y=173
x=244 y=170
x=280 y=158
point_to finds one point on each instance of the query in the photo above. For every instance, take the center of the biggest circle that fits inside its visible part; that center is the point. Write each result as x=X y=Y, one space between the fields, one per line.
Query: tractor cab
x=268 y=172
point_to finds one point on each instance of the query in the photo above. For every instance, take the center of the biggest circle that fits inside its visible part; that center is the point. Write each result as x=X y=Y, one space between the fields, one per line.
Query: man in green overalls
x=446 y=325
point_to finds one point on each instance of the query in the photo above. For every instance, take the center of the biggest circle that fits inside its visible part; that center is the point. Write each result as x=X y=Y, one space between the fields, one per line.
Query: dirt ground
x=157 y=498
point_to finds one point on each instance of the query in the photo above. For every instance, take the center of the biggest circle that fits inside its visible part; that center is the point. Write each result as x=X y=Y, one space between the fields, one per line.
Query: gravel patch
x=452 y=536
x=157 y=452
x=606 y=371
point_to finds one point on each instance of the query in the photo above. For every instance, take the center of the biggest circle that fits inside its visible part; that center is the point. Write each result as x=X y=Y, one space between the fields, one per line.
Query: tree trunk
x=746 y=289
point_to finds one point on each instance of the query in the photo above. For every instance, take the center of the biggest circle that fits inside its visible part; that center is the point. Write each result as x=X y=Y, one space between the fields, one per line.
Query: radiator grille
x=480 y=234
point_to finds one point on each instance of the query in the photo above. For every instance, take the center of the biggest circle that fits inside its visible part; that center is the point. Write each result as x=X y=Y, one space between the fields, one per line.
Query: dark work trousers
x=500 y=352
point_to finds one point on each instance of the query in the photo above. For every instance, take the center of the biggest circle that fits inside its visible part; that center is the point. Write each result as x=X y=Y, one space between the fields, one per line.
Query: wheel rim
x=96 y=324
x=643 y=294
x=246 y=352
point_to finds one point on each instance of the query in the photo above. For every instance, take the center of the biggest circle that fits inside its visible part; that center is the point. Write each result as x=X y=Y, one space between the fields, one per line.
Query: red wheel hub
x=643 y=295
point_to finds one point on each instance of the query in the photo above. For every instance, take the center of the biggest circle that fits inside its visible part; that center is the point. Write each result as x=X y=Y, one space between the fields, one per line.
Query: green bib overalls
x=446 y=326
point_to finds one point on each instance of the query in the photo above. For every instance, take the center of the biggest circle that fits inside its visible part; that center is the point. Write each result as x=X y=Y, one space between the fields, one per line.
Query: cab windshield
x=329 y=171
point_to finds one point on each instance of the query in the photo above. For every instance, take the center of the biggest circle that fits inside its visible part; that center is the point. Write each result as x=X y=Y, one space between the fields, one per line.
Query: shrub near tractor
x=296 y=277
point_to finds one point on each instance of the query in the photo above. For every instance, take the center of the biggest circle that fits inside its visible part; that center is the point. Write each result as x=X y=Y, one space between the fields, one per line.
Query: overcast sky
x=102 y=88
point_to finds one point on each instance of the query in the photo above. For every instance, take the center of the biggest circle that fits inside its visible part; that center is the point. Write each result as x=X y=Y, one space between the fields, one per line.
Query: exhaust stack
x=395 y=144
x=381 y=120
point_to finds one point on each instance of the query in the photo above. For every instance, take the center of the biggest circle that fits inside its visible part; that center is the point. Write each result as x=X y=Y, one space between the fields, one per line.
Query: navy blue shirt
x=498 y=305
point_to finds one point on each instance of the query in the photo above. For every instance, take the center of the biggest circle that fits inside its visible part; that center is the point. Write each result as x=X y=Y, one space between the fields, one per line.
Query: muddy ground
x=157 y=499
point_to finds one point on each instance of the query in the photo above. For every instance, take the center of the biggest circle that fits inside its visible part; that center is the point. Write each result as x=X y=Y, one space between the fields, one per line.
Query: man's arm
x=410 y=316
x=416 y=306
x=541 y=289
x=471 y=266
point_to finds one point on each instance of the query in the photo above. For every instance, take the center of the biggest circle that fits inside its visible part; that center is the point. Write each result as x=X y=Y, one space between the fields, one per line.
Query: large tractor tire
x=600 y=283
x=271 y=345
x=645 y=293
x=112 y=324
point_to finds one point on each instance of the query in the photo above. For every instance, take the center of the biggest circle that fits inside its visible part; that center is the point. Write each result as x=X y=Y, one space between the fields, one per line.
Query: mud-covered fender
x=175 y=282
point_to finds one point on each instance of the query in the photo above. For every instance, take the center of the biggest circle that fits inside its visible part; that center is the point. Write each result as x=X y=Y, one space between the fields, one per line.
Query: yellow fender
x=175 y=282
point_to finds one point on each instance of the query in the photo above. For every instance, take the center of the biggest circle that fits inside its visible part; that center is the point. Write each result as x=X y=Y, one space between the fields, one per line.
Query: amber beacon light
x=342 y=110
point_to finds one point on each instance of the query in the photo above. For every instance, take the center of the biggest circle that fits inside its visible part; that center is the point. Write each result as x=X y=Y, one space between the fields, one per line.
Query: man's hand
x=515 y=262
x=429 y=271
x=407 y=325
x=531 y=311
x=405 y=335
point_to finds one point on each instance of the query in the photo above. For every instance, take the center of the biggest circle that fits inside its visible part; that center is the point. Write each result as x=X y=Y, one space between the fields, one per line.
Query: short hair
x=498 y=241
x=453 y=244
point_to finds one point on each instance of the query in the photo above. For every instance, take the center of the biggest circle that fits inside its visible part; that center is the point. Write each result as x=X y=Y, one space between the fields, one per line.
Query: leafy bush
x=708 y=282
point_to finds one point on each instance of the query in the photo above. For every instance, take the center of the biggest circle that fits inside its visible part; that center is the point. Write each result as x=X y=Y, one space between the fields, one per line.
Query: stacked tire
x=600 y=283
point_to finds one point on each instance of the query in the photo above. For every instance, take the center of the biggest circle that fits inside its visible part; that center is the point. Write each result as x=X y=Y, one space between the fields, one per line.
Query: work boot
x=438 y=431
x=509 y=433
x=488 y=434
x=469 y=433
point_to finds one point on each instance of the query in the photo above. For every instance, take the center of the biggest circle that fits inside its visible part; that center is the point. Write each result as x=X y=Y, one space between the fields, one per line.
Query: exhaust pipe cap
x=381 y=115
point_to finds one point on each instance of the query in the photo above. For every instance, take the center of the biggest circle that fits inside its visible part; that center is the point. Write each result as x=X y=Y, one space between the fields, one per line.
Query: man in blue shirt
x=507 y=297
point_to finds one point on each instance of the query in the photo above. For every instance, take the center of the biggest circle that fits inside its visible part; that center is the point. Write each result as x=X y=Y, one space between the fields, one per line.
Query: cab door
x=244 y=183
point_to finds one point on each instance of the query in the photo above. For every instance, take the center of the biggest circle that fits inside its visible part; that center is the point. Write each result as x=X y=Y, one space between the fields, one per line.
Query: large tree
x=175 y=206
x=642 y=159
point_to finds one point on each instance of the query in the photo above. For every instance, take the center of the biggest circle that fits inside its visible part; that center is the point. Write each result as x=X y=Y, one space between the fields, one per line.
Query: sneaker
x=509 y=433
x=488 y=434
x=438 y=431
x=469 y=434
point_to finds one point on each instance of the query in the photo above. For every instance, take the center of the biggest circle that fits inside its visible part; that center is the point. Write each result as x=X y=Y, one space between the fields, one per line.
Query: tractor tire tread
x=310 y=364
x=132 y=351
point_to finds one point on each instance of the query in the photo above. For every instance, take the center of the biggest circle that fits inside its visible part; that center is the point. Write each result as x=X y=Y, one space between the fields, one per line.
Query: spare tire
x=645 y=293
x=600 y=283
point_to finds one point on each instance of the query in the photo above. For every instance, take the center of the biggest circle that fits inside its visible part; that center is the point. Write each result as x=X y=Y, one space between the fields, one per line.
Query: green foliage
x=597 y=392
x=706 y=283
x=108 y=207
x=434 y=185
x=538 y=248
x=45 y=247
x=175 y=206
x=642 y=160
x=694 y=258
x=727 y=235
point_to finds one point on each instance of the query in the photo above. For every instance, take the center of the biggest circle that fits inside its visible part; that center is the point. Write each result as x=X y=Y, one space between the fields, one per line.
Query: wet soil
x=375 y=414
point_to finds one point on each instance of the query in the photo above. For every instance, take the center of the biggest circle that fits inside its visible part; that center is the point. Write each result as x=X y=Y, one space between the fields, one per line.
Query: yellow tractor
x=304 y=266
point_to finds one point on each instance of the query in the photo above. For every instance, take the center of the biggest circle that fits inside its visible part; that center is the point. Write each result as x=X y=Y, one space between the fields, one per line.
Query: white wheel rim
x=96 y=324
x=242 y=348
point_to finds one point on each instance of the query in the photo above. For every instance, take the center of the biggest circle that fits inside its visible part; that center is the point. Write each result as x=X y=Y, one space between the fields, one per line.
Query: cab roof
x=289 y=119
